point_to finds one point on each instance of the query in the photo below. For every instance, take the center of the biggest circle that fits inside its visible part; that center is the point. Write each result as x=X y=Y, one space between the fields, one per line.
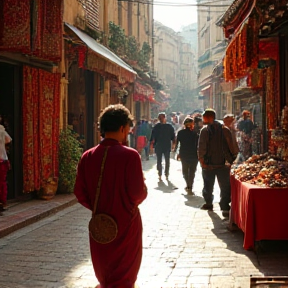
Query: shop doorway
x=10 y=109
x=83 y=105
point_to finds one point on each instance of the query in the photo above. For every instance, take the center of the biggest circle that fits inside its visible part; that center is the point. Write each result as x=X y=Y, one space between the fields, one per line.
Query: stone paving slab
x=22 y=214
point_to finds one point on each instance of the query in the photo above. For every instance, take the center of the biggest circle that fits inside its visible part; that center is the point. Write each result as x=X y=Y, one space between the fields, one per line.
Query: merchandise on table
x=284 y=118
x=264 y=170
x=278 y=143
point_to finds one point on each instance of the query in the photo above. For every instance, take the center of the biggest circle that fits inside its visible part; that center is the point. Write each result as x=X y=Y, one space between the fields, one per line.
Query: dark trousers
x=188 y=171
x=223 y=178
x=147 y=149
x=159 y=152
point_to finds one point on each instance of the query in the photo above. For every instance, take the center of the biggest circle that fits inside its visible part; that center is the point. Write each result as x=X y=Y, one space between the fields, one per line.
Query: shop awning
x=241 y=92
x=100 y=49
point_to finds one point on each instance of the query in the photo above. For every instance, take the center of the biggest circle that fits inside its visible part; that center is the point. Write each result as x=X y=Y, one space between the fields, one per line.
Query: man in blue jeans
x=215 y=143
x=162 y=136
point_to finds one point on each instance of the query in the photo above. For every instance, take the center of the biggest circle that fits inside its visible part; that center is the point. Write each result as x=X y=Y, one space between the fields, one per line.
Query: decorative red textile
x=82 y=51
x=47 y=42
x=49 y=106
x=31 y=178
x=115 y=264
x=269 y=48
x=261 y=213
x=15 y=26
x=252 y=44
x=239 y=16
x=41 y=109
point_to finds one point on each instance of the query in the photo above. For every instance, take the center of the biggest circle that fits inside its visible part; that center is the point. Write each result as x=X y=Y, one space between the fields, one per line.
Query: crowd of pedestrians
x=195 y=138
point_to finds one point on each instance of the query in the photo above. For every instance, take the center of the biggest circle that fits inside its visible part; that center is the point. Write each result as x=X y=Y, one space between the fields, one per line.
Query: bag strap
x=100 y=180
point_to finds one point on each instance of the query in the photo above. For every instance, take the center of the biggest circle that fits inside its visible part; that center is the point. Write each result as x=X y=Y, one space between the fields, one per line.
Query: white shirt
x=4 y=139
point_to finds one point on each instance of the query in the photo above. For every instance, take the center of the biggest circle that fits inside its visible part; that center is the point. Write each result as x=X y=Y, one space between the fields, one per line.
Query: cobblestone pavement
x=183 y=245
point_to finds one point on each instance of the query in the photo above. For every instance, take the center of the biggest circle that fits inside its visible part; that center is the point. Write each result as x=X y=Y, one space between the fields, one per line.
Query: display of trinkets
x=264 y=170
x=284 y=119
x=278 y=143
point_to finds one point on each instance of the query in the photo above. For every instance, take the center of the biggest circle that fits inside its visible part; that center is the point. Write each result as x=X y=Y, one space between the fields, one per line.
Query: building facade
x=174 y=64
x=190 y=35
x=211 y=50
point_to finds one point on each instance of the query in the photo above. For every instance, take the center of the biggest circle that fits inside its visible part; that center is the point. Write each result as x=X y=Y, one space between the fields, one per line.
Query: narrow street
x=183 y=245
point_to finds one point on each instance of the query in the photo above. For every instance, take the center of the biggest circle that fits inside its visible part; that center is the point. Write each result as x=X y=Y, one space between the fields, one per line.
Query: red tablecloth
x=261 y=213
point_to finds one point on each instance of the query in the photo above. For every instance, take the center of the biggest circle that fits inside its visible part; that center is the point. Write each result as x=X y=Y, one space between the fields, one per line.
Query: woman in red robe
x=117 y=263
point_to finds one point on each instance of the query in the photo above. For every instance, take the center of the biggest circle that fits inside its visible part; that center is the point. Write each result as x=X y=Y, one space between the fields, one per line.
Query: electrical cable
x=175 y=4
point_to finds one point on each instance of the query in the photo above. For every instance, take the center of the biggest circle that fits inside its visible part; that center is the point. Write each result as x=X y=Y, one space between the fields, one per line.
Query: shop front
x=30 y=51
x=143 y=97
x=97 y=77
x=258 y=52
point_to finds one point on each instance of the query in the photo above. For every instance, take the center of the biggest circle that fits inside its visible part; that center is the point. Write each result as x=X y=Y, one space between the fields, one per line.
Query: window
x=219 y=34
x=91 y=8
x=207 y=38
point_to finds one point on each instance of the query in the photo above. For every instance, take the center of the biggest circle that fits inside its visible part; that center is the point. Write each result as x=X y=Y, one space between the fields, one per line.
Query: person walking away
x=117 y=171
x=4 y=167
x=152 y=146
x=148 y=132
x=198 y=124
x=229 y=122
x=245 y=126
x=215 y=142
x=141 y=136
x=162 y=135
x=188 y=140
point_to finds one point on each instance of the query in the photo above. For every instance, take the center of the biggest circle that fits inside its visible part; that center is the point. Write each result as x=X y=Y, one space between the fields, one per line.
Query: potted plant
x=70 y=152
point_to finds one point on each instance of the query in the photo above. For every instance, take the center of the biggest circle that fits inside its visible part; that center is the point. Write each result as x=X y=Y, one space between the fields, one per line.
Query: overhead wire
x=175 y=4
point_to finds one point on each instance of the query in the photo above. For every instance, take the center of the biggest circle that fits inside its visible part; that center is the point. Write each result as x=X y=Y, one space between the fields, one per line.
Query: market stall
x=261 y=213
x=259 y=197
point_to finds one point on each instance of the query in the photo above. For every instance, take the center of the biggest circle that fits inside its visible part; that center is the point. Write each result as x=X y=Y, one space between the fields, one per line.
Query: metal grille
x=91 y=8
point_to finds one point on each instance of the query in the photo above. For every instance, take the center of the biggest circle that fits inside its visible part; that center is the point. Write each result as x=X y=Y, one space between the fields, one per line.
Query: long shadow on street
x=270 y=257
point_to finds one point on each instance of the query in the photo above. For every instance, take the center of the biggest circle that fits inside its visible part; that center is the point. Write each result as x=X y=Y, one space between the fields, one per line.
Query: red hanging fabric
x=41 y=111
x=15 y=26
x=47 y=37
x=48 y=124
x=31 y=179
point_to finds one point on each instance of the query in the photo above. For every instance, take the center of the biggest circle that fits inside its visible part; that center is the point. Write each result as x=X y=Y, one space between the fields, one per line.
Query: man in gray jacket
x=216 y=153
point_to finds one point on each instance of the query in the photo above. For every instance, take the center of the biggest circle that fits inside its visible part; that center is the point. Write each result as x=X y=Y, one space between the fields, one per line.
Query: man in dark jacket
x=188 y=140
x=162 y=135
x=215 y=143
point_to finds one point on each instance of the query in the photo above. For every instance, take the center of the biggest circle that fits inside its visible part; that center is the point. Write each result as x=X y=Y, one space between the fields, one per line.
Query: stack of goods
x=256 y=140
x=284 y=119
x=263 y=170
x=279 y=137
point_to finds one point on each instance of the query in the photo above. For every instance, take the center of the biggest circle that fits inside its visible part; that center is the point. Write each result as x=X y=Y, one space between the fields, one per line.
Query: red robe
x=115 y=264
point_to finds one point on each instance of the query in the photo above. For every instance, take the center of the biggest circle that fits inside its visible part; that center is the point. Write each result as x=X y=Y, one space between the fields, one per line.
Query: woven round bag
x=103 y=228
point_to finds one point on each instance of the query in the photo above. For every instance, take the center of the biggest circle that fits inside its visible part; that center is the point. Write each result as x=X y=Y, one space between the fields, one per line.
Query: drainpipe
x=105 y=22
